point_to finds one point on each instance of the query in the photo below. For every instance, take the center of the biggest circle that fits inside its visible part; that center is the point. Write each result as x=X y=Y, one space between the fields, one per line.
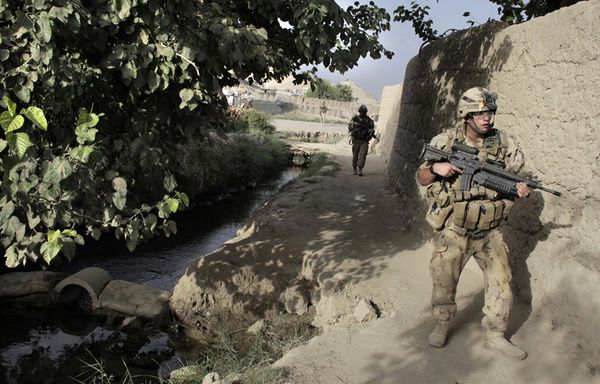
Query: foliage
x=250 y=357
x=156 y=68
x=244 y=119
x=141 y=61
x=321 y=164
x=49 y=194
x=511 y=11
x=323 y=89
x=518 y=11
x=417 y=14
x=224 y=164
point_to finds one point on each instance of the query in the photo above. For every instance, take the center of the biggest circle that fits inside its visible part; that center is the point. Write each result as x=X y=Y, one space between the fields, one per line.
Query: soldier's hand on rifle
x=523 y=190
x=445 y=169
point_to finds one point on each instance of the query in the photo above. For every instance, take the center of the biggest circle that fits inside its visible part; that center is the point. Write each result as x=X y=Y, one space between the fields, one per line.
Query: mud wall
x=546 y=72
x=389 y=112
x=338 y=109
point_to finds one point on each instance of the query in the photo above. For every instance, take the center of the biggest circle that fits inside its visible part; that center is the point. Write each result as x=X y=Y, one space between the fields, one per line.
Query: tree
x=323 y=89
x=511 y=11
x=155 y=70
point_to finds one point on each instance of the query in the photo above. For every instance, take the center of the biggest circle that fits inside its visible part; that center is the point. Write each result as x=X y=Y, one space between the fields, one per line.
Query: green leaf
x=3 y=144
x=53 y=235
x=13 y=227
x=169 y=183
x=150 y=221
x=119 y=200
x=6 y=212
x=36 y=116
x=11 y=106
x=163 y=210
x=120 y=185
x=12 y=257
x=82 y=152
x=86 y=120
x=58 y=170
x=32 y=219
x=184 y=199
x=84 y=135
x=45 y=28
x=20 y=231
x=69 y=232
x=131 y=245
x=172 y=226
x=186 y=95
x=144 y=36
x=19 y=142
x=153 y=81
x=123 y=8
x=173 y=204
x=23 y=92
x=50 y=250
x=9 y=122
x=4 y=54
x=68 y=249
x=96 y=233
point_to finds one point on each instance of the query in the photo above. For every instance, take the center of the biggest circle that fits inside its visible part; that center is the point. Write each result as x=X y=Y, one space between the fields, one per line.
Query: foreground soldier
x=361 y=129
x=466 y=222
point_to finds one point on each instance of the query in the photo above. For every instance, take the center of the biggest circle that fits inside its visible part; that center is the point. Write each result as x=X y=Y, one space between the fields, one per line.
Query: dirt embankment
x=336 y=246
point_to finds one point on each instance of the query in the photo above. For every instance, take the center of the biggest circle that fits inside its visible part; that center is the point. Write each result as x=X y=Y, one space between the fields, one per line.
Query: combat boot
x=438 y=337
x=354 y=171
x=360 y=172
x=497 y=342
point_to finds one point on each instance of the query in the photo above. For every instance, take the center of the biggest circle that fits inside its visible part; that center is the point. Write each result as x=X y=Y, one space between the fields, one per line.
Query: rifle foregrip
x=506 y=187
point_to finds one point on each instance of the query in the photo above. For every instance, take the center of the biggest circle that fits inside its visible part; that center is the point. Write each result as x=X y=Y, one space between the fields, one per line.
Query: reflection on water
x=64 y=345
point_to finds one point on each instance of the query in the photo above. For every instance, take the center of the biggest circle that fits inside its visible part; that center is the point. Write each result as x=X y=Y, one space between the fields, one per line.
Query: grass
x=95 y=372
x=322 y=164
x=249 y=357
x=245 y=357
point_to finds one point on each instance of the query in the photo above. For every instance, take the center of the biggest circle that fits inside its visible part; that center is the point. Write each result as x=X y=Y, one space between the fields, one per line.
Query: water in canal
x=64 y=345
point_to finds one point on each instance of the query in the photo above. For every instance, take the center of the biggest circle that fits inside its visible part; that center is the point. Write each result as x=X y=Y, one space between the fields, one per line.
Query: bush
x=244 y=120
x=323 y=89
x=222 y=163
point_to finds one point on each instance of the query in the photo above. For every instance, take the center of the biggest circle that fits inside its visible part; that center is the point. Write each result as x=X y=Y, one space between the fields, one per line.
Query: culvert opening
x=76 y=296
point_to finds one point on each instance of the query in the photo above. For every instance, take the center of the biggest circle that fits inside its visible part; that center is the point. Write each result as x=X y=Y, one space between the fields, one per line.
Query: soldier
x=322 y=112
x=467 y=222
x=362 y=130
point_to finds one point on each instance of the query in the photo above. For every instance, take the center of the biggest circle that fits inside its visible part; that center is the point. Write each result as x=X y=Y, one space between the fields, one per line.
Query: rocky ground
x=374 y=298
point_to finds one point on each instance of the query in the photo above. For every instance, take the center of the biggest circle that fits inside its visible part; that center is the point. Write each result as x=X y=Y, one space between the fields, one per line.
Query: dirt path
x=364 y=253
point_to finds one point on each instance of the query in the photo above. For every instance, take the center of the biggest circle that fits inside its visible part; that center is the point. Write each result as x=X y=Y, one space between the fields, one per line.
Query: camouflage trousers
x=359 y=153
x=451 y=253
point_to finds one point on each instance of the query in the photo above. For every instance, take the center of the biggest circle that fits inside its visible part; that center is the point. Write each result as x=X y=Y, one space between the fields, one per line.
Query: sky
x=372 y=75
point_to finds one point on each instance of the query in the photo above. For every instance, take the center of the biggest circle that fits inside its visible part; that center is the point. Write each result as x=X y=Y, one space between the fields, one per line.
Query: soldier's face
x=480 y=122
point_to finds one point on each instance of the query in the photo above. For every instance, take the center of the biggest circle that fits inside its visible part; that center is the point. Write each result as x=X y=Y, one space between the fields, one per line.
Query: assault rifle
x=489 y=173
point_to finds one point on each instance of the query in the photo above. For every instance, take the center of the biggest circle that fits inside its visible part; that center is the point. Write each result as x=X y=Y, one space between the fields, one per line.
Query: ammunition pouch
x=440 y=207
x=480 y=214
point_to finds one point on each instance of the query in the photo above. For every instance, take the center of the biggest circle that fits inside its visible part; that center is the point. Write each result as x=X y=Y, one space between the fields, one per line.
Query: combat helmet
x=476 y=99
x=362 y=108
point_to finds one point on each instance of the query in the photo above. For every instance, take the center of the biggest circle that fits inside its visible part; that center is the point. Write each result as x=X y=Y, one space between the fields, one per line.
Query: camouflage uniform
x=362 y=129
x=467 y=226
x=322 y=112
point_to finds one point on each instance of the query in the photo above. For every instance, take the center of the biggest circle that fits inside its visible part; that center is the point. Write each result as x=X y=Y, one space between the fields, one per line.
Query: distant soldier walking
x=322 y=112
x=362 y=130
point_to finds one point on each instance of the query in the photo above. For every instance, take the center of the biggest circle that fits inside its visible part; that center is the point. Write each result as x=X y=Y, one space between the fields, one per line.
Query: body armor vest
x=477 y=209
